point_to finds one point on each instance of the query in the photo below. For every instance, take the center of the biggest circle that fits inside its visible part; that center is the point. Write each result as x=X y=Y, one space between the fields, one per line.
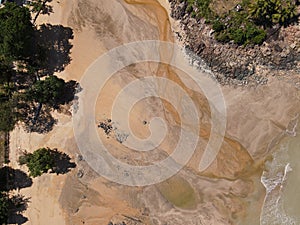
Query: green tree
x=16 y=32
x=3 y=208
x=49 y=91
x=38 y=162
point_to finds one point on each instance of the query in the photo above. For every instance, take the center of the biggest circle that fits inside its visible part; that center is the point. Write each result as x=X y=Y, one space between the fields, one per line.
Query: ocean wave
x=274 y=179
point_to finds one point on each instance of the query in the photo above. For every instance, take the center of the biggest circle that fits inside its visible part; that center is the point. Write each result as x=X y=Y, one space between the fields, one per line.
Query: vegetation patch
x=245 y=23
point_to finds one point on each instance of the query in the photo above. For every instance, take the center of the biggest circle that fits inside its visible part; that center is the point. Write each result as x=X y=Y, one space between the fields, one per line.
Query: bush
x=255 y=35
x=23 y=159
x=189 y=8
x=238 y=36
x=259 y=38
x=244 y=26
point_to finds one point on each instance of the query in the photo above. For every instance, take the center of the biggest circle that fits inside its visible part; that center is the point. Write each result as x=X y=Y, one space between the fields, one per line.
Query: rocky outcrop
x=241 y=65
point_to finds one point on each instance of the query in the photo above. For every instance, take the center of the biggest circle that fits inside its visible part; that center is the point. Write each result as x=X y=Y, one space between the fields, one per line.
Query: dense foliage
x=38 y=162
x=16 y=32
x=246 y=23
x=48 y=91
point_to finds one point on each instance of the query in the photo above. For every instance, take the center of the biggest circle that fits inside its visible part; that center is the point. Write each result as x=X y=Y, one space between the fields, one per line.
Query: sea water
x=281 y=179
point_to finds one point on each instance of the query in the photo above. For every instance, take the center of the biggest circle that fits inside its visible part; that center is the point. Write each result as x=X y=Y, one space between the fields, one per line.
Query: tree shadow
x=47 y=9
x=17 y=219
x=36 y=118
x=17 y=205
x=62 y=162
x=12 y=179
x=70 y=90
x=55 y=41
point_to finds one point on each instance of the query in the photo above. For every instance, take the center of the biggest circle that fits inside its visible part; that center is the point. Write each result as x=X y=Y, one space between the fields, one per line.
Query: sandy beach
x=228 y=192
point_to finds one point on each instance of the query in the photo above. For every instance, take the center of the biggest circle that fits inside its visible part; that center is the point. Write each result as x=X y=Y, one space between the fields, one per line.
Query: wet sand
x=228 y=192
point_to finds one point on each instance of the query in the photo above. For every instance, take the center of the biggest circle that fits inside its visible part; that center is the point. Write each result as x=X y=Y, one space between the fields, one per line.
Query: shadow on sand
x=13 y=179
x=55 y=41
x=17 y=205
x=62 y=162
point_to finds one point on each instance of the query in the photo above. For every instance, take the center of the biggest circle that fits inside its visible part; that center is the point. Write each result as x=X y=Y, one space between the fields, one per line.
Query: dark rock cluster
x=106 y=126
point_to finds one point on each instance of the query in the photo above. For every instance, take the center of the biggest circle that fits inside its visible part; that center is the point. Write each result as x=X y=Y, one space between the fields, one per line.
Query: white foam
x=274 y=179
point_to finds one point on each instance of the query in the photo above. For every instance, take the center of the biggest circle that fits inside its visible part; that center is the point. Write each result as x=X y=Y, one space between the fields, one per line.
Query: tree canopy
x=16 y=31
x=48 y=91
x=38 y=162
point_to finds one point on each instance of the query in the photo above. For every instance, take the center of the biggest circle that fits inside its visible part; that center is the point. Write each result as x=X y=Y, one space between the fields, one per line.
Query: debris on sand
x=121 y=136
x=106 y=126
x=80 y=174
x=109 y=127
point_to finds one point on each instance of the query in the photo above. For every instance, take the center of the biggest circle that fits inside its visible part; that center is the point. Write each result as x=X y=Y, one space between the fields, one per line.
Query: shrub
x=238 y=36
x=255 y=35
x=259 y=39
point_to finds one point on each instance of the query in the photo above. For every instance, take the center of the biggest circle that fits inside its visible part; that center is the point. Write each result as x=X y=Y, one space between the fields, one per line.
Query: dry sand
x=228 y=192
